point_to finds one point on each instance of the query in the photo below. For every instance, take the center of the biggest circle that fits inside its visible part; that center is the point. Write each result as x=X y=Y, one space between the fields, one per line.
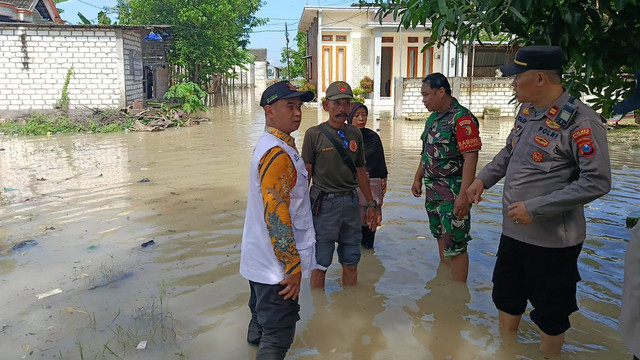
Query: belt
x=339 y=193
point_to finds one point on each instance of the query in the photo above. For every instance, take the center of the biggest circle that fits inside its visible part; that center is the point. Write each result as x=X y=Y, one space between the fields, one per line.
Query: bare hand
x=519 y=214
x=292 y=282
x=461 y=206
x=372 y=218
x=474 y=191
x=416 y=188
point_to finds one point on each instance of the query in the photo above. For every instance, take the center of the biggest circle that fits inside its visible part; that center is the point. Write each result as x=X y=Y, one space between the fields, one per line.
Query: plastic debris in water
x=141 y=345
x=148 y=243
x=48 y=293
x=24 y=244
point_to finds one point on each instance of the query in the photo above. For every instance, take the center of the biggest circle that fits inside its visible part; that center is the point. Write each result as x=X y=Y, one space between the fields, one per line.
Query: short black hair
x=437 y=81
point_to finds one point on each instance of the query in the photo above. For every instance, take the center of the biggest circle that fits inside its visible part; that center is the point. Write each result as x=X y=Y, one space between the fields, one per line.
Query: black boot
x=367 y=237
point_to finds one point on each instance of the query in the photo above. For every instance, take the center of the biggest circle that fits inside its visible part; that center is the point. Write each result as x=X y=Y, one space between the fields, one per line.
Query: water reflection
x=80 y=197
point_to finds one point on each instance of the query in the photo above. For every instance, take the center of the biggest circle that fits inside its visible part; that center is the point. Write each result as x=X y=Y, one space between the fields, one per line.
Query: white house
x=349 y=43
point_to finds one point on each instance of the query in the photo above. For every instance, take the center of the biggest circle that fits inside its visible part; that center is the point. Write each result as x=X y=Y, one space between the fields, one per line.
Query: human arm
x=469 y=144
x=461 y=204
x=416 y=188
x=363 y=183
x=278 y=176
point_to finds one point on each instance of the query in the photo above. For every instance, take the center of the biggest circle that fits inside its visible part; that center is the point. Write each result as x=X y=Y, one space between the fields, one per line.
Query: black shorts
x=546 y=277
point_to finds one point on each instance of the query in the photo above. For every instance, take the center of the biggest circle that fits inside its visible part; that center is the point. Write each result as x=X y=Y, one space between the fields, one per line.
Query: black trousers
x=273 y=321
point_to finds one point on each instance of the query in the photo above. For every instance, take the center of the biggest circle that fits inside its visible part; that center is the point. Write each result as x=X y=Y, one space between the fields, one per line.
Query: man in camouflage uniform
x=450 y=145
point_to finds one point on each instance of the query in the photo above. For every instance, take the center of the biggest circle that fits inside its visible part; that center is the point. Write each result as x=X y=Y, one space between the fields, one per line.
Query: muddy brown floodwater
x=77 y=208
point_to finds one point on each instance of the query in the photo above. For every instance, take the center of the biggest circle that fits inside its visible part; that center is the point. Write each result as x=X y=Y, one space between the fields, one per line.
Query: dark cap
x=339 y=90
x=537 y=57
x=283 y=90
x=632 y=102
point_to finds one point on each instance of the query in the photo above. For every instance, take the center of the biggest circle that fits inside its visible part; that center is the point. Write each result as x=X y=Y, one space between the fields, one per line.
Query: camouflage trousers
x=443 y=223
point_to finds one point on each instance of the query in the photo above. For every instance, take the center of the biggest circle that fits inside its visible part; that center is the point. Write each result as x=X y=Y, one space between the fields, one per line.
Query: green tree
x=600 y=38
x=209 y=36
x=297 y=62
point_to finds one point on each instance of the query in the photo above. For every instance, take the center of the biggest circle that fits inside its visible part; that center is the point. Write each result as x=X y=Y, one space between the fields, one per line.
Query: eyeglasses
x=345 y=143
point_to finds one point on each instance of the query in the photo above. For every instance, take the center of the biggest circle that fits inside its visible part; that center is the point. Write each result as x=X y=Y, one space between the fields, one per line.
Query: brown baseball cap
x=339 y=90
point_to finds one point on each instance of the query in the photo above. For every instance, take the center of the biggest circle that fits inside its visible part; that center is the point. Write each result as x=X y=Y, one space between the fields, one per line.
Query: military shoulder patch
x=353 y=145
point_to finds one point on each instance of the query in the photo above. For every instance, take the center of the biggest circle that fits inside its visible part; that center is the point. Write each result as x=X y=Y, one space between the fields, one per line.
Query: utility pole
x=286 y=35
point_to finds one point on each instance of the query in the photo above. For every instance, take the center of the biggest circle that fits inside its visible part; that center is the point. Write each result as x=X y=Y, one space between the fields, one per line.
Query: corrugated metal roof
x=21 y=4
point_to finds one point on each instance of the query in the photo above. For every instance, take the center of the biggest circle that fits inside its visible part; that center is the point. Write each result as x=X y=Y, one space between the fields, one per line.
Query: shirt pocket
x=442 y=147
x=302 y=220
x=539 y=155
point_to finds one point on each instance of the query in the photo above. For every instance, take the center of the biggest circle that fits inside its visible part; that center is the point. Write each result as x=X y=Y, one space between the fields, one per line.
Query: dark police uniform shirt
x=554 y=170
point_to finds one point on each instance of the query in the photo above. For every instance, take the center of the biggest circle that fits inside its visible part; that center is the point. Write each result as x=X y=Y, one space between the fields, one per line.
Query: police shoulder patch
x=585 y=146
x=580 y=133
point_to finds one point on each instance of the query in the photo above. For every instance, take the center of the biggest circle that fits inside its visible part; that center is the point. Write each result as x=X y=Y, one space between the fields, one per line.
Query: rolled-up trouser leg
x=275 y=343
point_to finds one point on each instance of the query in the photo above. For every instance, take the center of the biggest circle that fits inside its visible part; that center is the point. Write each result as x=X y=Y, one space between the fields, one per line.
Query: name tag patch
x=541 y=140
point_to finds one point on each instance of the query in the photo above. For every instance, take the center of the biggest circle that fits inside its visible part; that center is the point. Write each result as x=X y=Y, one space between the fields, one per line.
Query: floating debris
x=23 y=245
x=148 y=243
x=48 y=293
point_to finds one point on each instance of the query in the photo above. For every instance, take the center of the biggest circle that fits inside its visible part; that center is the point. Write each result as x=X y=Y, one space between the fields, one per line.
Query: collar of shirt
x=282 y=136
x=537 y=114
x=450 y=110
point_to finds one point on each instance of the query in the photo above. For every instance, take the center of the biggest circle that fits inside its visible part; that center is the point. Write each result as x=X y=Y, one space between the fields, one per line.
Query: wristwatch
x=372 y=204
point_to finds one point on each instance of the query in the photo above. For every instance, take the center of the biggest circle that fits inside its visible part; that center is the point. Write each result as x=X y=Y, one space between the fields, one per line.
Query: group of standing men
x=555 y=161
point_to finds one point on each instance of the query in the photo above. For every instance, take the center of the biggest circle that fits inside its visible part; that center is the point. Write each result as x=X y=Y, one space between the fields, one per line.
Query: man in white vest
x=278 y=241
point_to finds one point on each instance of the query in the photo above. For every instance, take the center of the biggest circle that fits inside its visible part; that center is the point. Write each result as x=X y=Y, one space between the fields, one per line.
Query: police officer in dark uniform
x=555 y=161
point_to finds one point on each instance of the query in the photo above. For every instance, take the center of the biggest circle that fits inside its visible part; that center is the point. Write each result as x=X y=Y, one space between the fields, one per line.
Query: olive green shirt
x=329 y=172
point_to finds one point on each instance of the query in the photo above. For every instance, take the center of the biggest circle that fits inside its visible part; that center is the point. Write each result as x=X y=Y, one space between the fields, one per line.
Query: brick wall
x=486 y=92
x=133 y=69
x=35 y=61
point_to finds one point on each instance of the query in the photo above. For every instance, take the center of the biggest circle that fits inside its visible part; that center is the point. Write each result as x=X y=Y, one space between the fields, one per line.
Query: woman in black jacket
x=376 y=169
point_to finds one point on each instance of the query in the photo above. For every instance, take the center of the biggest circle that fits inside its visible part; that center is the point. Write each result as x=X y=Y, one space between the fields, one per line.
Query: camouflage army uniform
x=446 y=137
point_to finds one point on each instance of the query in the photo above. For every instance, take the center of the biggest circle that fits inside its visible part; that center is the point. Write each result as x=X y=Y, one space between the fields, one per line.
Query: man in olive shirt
x=336 y=215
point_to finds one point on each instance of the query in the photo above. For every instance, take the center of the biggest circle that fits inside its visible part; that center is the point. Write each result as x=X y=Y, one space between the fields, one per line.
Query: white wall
x=486 y=92
x=35 y=60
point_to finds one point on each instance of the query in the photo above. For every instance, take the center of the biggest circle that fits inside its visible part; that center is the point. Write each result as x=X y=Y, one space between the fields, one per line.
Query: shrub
x=359 y=91
x=190 y=96
x=366 y=84
x=358 y=98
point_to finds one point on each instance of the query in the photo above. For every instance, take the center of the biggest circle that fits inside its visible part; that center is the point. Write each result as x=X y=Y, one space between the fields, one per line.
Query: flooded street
x=77 y=209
